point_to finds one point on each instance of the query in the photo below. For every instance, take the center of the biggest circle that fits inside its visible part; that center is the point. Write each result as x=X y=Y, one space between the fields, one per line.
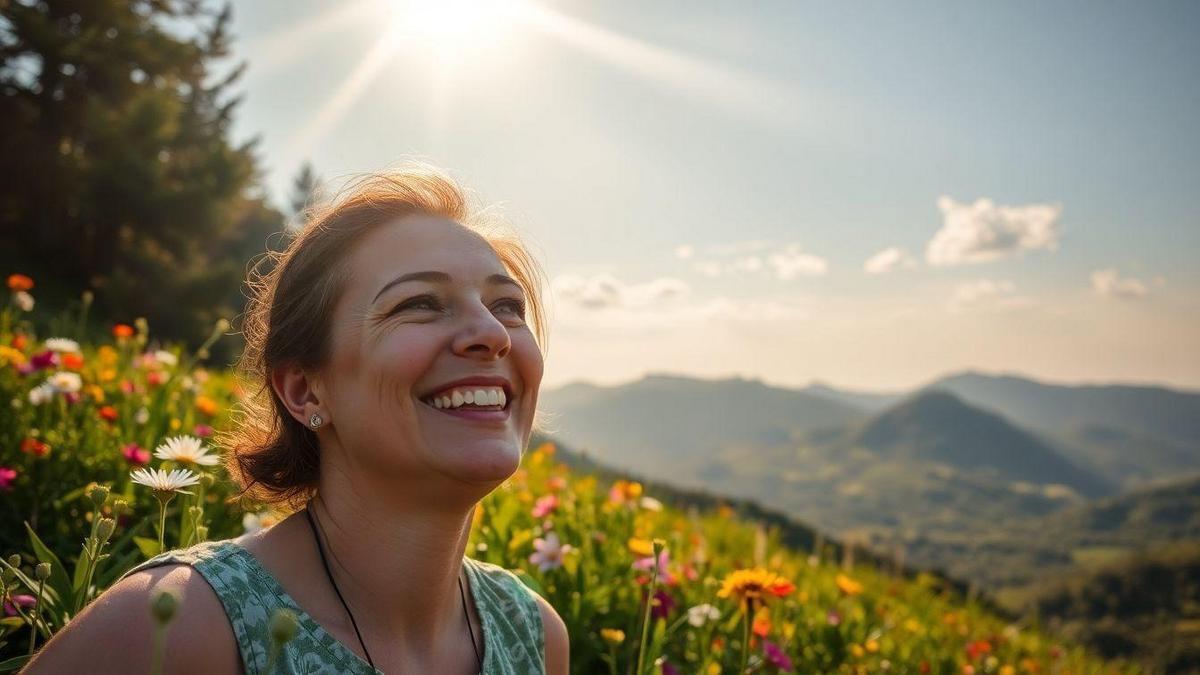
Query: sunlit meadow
x=106 y=458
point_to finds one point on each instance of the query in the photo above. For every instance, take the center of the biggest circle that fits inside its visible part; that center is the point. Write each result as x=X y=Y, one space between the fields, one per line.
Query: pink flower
x=647 y=564
x=6 y=477
x=549 y=552
x=833 y=618
x=544 y=505
x=202 y=430
x=135 y=454
x=25 y=601
x=776 y=657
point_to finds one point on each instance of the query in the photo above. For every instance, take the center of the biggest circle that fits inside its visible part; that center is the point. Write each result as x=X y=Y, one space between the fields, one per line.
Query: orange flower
x=19 y=282
x=108 y=413
x=72 y=361
x=121 y=331
x=762 y=622
x=206 y=405
x=848 y=585
x=19 y=341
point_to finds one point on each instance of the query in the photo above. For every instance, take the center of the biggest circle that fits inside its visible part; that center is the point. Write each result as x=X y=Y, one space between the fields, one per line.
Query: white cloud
x=792 y=262
x=889 y=259
x=985 y=294
x=603 y=291
x=784 y=263
x=984 y=231
x=1109 y=283
x=684 y=251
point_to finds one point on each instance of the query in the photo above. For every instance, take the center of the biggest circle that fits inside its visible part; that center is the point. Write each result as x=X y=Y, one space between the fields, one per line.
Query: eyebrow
x=440 y=277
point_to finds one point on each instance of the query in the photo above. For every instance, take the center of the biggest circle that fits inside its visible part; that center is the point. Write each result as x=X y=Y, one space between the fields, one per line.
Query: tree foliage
x=119 y=172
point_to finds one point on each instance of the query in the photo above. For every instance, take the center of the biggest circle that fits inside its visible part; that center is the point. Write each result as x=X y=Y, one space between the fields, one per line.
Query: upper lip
x=482 y=380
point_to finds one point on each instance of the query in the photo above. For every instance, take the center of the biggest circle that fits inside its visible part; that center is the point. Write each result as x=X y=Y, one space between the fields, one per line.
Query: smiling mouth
x=472 y=411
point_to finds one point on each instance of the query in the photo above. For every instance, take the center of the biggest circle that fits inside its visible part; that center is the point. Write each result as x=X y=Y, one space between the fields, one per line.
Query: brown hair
x=274 y=458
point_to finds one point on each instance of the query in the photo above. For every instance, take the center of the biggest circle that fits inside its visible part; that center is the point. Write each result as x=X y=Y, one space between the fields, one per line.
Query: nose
x=482 y=335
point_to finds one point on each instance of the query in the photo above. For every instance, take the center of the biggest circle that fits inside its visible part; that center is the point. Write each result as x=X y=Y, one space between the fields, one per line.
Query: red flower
x=72 y=361
x=154 y=378
x=108 y=413
x=32 y=446
x=19 y=282
x=781 y=588
x=122 y=331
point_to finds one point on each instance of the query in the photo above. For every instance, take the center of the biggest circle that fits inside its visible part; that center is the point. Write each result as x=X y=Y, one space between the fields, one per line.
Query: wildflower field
x=106 y=458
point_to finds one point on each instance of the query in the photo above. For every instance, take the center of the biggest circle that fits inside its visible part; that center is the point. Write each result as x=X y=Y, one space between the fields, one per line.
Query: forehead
x=417 y=243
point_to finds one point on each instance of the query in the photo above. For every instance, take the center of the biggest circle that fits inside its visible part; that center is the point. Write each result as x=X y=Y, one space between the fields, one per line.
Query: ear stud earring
x=315 y=421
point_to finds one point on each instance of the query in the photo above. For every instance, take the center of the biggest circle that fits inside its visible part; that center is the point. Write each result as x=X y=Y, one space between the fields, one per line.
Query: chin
x=488 y=462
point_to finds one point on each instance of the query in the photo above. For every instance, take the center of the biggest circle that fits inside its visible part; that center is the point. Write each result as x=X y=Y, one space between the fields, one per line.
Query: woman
x=376 y=335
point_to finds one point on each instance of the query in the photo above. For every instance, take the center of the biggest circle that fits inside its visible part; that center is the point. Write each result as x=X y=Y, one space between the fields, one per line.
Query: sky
x=869 y=195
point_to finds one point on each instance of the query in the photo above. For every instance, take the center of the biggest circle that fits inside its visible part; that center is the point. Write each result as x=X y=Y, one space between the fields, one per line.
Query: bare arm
x=558 y=647
x=115 y=633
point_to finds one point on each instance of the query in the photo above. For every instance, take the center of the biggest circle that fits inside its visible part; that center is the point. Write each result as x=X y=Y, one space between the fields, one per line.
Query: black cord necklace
x=325 y=564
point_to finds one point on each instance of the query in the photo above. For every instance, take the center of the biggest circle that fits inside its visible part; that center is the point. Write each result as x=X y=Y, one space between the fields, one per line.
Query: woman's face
x=396 y=343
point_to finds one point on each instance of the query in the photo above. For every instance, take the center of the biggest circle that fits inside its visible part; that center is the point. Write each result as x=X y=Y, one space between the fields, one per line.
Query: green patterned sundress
x=513 y=637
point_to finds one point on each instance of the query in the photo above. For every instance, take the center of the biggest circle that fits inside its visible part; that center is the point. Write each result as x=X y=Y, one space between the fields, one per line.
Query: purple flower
x=776 y=657
x=47 y=359
x=663 y=604
x=669 y=669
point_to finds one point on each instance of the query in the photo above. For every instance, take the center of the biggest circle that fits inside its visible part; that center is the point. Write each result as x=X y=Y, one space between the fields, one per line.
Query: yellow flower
x=754 y=584
x=96 y=393
x=107 y=375
x=612 y=636
x=1007 y=670
x=872 y=645
x=10 y=355
x=641 y=547
x=714 y=669
x=857 y=651
x=107 y=355
x=848 y=585
x=175 y=424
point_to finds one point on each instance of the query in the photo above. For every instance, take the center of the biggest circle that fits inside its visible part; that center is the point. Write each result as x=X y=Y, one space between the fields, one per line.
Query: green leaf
x=148 y=546
x=14 y=663
x=58 y=581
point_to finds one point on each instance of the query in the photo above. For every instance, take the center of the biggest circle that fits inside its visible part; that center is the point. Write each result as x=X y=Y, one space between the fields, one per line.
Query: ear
x=299 y=391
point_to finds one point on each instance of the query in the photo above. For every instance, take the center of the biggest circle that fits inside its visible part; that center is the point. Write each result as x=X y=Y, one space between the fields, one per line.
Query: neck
x=397 y=565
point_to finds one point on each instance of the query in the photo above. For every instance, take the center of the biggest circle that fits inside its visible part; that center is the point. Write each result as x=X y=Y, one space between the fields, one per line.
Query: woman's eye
x=516 y=306
x=415 y=303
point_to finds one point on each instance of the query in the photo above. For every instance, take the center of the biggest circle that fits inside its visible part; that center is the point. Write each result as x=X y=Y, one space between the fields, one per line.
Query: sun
x=455 y=24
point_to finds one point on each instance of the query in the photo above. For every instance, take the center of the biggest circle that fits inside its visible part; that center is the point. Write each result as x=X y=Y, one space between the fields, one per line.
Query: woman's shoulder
x=551 y=631
x=199 y=637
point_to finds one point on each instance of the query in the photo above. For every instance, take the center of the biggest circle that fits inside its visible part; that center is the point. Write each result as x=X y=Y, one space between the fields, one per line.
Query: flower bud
x=88 y=297
x=222 y=325
x=42 y=571
x=163 y=606
x=202 y=532
x=105 y=529
x=195 y=511
x=121 y=507
x=15 y=560
x=283 y=625
x=99 y=495
x=207 y=480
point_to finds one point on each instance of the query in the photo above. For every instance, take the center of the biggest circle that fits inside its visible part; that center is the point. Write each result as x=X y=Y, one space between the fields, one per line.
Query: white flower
x=166 y=358
x=651 y=504
x=65 y=382
x=186 y=450
x=161 y=481
x=701 y=614
x=62 y=345
x=549 y=553
x=142 y=415
x=24 y=301
x=42 y=393
x=253 y=522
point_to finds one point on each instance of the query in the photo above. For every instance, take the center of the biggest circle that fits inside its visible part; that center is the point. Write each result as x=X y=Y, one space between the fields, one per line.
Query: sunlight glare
x=457 y=24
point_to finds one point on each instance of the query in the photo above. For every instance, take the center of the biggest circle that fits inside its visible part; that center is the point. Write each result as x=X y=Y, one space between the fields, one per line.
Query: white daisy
x=62 y=345
x=186 y=450
x=42 y=393
x=24 y=301
x=163 y=482
x=253 y=522
x=65 y=382
x=166 y=358
x=651 y=504
x=142 y=415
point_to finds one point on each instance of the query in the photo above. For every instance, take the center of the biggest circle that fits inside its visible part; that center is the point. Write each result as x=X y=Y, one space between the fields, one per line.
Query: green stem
x=37 y=606
x=746 y=636
x=274 y=654
x=646 y=615
x=162 y=519
x=160 y=644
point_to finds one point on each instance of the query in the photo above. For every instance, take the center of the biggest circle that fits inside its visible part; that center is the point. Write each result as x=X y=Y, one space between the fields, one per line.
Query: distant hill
x=866 y=401
x=1152 y=411
x=663 y=422
x=938 y=426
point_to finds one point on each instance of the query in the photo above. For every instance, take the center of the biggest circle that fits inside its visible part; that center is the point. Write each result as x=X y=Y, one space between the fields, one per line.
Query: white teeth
x=480 y=397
